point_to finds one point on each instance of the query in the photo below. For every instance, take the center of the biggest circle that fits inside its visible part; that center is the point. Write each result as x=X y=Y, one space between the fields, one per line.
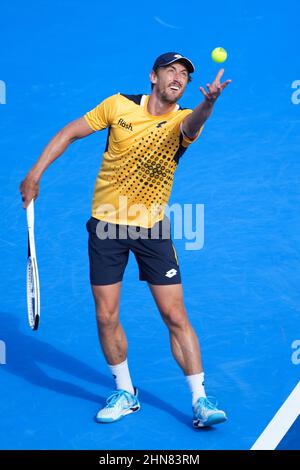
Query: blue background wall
x=60 y=59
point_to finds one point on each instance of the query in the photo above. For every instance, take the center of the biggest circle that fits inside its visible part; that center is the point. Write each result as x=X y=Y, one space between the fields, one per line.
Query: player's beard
x=166 y=96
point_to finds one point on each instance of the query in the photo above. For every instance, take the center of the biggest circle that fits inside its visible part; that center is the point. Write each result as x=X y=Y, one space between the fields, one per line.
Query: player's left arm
x=195 y=120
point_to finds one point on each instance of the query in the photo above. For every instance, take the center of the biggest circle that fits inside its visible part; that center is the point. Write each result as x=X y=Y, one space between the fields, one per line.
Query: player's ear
x=153 y=77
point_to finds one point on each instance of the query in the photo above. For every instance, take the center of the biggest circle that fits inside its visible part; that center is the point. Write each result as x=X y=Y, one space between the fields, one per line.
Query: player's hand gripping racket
x=33 y=284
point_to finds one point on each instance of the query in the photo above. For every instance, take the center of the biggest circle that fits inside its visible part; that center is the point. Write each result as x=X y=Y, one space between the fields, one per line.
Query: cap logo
x=178 y=56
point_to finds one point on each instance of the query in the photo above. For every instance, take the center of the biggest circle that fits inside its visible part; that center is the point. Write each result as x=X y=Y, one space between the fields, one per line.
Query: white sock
x=122 y=378
x=196 y=384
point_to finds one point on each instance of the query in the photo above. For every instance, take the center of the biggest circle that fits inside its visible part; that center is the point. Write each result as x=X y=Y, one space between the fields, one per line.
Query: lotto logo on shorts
x=171 y=273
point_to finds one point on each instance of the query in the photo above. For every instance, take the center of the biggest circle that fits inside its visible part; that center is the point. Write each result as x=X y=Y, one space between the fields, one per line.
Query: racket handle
x=30 y=214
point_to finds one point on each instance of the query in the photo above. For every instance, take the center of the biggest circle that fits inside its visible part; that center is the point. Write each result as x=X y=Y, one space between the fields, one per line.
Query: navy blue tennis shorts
x=109 y=247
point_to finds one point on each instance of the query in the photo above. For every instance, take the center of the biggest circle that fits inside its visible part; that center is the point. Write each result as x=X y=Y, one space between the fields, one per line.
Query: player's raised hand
x=215 y=89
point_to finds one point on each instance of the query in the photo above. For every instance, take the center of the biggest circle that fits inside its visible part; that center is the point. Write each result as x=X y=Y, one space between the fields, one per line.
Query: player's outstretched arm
x=194 y=121
x=29 y=187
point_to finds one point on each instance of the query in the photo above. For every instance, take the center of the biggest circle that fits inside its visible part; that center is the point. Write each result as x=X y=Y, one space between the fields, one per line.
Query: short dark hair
x=155 y=71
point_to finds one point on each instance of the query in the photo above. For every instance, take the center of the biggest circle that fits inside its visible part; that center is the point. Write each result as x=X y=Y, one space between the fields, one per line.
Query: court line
x=281 y=423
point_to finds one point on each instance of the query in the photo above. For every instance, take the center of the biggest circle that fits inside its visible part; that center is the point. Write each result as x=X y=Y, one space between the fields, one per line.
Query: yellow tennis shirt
x=135 y=180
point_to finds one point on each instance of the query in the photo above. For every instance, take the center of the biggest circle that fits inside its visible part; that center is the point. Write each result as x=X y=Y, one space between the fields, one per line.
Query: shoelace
x=209 y=402
x=112 y=400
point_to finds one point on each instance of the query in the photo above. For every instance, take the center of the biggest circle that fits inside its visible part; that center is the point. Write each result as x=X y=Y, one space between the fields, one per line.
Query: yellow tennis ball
x=219 y=55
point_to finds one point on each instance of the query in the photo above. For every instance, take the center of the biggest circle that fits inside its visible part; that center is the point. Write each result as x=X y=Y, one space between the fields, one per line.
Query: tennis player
x=147 y=137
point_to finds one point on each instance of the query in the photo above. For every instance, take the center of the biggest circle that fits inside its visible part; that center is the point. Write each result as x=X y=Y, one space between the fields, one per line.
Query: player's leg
x=108 y=258
x=114 y=346
x=184 y=342
x=110 y=331
x=158 y=265
x=186 y=351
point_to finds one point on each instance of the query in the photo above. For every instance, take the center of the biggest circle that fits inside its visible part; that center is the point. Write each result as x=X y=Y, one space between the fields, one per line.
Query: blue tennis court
x=59 y=60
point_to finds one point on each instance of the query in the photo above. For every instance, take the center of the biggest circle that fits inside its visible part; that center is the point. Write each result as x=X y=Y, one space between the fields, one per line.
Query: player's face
x=170 y=82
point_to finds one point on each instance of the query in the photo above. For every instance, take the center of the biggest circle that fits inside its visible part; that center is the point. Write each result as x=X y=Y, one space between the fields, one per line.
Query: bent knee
x=175 y=315
x=107 y=318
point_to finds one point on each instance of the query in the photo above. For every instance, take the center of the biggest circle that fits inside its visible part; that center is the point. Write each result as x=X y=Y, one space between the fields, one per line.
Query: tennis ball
x=219 y=55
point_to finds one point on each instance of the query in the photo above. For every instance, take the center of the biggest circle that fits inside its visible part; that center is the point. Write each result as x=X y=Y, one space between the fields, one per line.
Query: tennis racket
x=32 y=278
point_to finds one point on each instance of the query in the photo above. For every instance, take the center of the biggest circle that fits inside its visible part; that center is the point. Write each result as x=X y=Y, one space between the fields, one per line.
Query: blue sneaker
x=120 y=403
x=206 y=413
